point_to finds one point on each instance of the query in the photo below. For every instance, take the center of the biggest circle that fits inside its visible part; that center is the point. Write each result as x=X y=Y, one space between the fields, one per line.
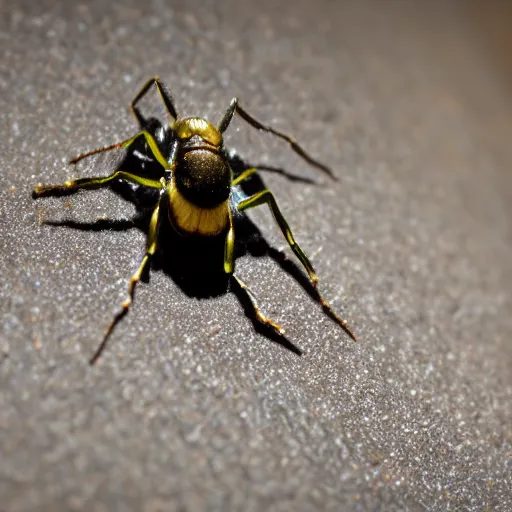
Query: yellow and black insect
x=197 y=188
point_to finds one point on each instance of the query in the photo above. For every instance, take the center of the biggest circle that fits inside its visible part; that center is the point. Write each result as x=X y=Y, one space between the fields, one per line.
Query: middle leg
x=266 y=197
x=72 y=186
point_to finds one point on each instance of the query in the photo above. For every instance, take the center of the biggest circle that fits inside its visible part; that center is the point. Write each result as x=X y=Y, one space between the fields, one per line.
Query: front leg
x=235 y=107
x=150 y=140
x=165 y=95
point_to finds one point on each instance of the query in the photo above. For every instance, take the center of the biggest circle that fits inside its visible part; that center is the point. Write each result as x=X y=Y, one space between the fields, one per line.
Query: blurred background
x=191 y=408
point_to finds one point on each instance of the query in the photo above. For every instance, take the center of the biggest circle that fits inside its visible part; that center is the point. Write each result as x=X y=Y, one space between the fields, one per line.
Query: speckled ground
x=190 y=408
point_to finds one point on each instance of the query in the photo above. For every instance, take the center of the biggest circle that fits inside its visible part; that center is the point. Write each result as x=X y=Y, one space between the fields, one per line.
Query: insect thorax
x=203 y=175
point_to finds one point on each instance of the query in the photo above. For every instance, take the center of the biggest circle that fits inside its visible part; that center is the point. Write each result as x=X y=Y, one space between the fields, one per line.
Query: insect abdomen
x=188 y=218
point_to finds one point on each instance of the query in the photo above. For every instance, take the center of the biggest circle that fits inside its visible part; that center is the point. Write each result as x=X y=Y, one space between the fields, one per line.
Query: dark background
x=190 y=408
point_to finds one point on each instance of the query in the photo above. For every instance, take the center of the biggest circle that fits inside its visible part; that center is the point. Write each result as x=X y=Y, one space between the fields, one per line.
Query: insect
x=198 y=189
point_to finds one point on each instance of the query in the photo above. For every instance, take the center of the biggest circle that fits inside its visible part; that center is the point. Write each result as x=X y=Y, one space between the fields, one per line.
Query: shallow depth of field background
x=190 y=408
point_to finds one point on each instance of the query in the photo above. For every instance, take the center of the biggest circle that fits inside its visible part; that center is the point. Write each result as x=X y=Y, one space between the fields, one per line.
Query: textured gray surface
x=190 y=409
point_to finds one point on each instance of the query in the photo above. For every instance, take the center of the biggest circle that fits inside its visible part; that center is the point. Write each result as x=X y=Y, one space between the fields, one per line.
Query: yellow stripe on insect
x=193 y=219
x=190 y=126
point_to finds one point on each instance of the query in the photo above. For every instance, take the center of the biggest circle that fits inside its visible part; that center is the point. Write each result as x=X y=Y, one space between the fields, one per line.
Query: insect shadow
x=183 y=258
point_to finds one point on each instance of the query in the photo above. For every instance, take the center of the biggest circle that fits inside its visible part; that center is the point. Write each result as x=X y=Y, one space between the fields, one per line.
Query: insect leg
x=72 y=186
x=229 y=248
x=235 y=107
x=266 y=197
x=229 y=268
x=253 y=170
x=259 y=316
x=246 y=174
x=151 y=246
x=125 y=144
x=164 y=94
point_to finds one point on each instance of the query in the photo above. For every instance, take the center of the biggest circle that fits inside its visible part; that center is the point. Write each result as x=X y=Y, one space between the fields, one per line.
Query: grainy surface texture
x=190 y=408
